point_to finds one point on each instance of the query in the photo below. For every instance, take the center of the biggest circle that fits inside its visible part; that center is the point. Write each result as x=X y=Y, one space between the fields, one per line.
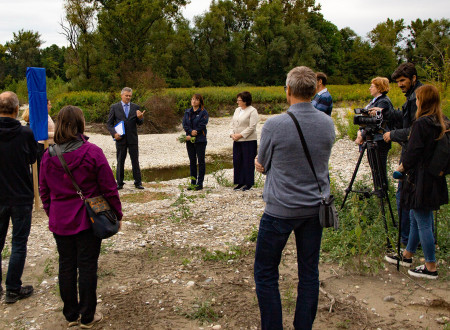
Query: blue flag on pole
x=37 y=99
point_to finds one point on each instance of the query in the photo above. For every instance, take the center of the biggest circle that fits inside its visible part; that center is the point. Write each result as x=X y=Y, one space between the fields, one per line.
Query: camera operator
x=380 y=103
x=406 y=78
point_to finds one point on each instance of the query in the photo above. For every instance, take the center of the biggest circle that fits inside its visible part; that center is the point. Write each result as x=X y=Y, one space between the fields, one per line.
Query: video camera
x=363 y=119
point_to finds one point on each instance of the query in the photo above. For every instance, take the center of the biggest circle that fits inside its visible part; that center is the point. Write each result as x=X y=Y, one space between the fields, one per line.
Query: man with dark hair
x=292 y=200
x=406 y=78
x=18 y=150
x=322 y=100
x=131 y=116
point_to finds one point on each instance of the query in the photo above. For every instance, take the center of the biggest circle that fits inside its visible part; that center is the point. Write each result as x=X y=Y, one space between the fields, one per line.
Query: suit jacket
x=117 y=114
x=245 y=124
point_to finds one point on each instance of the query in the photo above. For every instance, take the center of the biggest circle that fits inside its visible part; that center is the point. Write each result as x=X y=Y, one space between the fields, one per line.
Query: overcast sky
x=44 y=16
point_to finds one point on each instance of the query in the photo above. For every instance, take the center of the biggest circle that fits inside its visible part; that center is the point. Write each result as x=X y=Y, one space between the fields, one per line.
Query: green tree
x=389 y=35
x=52 y=59
x=129 y=32
x=80 y=31
x=24 y=52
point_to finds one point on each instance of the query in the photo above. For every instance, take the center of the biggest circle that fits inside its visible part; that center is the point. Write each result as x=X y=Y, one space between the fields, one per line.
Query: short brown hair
x=9 y=102
x=322 y=76
x=69 y=124
x=246 y=97
x=382 y=84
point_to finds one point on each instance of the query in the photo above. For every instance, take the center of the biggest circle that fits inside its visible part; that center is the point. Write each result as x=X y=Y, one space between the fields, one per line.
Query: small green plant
x=253 y=235
x=259 y=181
x=6 y=253
x=219 y=174
x=185 y=261
x=182 y=139
x=105 y=246
x=183 y=211
x=233 y=253
x=49 y=267
x=289 y=298
x=202 y=312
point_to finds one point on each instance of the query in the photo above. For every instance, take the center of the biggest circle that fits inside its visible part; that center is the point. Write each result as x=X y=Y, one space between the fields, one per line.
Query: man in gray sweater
x=292 y=200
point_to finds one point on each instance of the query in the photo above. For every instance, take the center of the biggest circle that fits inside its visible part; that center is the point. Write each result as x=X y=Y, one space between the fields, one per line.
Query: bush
x=95 y=105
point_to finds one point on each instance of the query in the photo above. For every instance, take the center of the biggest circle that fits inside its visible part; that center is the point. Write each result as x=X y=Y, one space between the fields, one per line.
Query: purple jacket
x=65 y=209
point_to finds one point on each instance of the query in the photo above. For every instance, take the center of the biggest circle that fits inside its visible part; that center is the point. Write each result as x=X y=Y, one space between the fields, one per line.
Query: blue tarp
x=37 y=99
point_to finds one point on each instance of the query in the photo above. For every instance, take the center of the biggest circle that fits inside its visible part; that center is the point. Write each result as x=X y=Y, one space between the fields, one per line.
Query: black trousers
x=244 y=154
x=78 y=257
x=196 y=152
x=121 y=156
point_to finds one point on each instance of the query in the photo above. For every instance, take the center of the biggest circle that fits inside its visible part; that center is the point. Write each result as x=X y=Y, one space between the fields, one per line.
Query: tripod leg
x=399 y=239
x=383 y=214
x=349 y=188
x=390 y=210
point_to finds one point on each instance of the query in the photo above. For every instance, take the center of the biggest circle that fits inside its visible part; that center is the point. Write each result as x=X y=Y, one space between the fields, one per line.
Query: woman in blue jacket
x=194 y=124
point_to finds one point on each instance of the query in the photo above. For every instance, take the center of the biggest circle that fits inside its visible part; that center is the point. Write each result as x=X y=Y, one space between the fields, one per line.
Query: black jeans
x=244 y=154
x=20 y=216
x=273 y=235
x=134 y=156
x=196 y=152
x=78 y=257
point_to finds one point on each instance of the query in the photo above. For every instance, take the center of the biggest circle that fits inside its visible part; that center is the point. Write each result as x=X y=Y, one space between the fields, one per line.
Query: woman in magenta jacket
x=78 y=248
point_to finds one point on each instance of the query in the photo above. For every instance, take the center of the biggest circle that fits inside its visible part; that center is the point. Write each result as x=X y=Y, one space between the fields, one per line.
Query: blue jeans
x=272 y=237
x=422 y=231
x=403 y=215
x=21 y=221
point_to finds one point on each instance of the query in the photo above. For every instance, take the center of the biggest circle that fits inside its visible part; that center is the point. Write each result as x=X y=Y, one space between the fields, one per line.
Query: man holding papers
x=122 y=124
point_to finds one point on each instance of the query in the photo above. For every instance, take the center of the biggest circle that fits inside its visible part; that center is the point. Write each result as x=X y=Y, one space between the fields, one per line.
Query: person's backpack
x=439 y=164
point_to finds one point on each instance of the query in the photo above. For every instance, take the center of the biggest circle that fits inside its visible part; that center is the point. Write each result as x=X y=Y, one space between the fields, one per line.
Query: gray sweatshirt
x=290 y=190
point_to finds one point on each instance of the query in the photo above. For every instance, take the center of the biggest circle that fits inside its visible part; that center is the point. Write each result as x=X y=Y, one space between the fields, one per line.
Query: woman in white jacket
x=243 y=133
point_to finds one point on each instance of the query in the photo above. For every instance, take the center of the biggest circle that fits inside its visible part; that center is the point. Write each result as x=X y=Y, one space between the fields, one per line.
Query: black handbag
x=328 y=215
x=104 y=220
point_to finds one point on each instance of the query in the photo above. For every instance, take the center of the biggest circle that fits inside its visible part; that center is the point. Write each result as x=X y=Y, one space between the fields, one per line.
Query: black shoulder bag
x=103 y=219
x=328 y=215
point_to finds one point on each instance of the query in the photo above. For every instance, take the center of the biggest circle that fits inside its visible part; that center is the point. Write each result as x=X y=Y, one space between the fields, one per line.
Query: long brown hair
x=69 y=124
x=200 y=98
x=430 y=105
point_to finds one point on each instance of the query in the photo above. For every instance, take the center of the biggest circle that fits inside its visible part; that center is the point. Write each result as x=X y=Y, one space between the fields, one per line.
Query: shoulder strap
x=305 y=148
x=66 y=169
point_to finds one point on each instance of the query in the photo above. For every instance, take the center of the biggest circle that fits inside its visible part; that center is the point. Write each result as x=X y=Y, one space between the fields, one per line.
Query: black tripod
x=379 y=181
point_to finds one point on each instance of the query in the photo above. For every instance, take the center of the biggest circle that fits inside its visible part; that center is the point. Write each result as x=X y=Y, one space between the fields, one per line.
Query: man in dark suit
x=131 y=116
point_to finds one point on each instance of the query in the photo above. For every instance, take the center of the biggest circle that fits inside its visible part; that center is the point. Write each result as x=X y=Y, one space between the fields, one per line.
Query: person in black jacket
x=131 y=116
x=194 y=124
x=422 y=192
x=378 y=89
x=406 y=78
x=18 y=150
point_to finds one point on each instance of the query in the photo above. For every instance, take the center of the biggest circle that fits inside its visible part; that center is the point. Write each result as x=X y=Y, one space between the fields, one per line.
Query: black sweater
x=18 y=150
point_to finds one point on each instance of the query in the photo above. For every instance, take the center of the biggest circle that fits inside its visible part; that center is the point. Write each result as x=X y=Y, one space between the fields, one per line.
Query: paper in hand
x=120 y=128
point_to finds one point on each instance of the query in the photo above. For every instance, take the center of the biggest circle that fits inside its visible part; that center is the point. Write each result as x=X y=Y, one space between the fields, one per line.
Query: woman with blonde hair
x=423 y=192
x=379 y=88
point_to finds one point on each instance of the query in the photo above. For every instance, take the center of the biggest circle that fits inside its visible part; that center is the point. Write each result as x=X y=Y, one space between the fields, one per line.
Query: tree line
x=148 y=44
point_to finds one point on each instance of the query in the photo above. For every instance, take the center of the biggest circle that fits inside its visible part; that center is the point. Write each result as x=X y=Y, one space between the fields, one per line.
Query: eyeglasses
x=285 y=88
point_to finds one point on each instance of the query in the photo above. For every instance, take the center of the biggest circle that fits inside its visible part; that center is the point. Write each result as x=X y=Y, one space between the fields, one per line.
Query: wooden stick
x=36 y=187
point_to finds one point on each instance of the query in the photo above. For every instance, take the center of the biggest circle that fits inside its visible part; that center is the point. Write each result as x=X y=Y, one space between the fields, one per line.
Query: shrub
x=95 y=105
